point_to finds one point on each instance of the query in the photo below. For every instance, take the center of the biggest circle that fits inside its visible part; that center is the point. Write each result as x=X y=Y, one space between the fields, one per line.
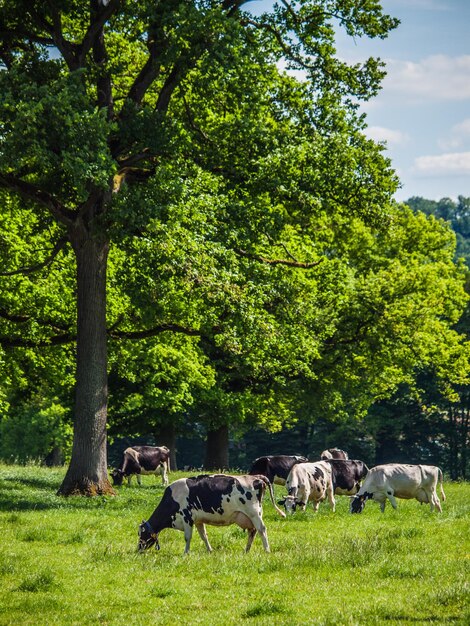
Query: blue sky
x=423 y=110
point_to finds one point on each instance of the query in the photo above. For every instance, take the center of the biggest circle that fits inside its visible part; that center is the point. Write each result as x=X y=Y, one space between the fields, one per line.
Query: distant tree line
x=423 y=421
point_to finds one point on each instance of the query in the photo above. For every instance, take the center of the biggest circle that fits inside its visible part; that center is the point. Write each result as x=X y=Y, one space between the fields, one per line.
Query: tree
x=457 y=214
x=106 y=107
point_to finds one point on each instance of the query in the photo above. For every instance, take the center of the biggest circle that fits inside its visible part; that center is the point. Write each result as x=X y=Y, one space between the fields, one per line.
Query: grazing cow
x=309 y=482
x=140 y=460
x=333 y=453
x=218 y=500
x=346 y=476
x=397 y=480
x=275 y=468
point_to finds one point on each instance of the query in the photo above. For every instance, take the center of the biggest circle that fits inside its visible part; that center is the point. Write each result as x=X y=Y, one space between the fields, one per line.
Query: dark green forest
x=200 y=250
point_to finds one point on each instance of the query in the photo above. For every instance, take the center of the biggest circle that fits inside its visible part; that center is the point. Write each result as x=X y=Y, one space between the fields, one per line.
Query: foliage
x=33 y=431
x=457 y=214
x=245 y=225
x=414 y=560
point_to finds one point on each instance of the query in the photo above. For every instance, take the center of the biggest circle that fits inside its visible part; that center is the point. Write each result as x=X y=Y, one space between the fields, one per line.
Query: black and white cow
x=275 y=468
x=309 y=482
x=397 y=480
x=347 y=475
x=333 y=453
x=139 y=460
x=218 y=500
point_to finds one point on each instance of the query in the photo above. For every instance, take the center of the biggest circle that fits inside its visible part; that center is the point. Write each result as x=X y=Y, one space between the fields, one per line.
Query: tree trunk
x=216 y=457
x=87 y=473
x=464 y=443
x=166 y=436
x=453 y=452
x=55 y=458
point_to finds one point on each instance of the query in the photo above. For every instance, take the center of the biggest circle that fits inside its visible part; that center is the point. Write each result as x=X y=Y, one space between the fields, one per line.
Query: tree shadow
x=44 y=496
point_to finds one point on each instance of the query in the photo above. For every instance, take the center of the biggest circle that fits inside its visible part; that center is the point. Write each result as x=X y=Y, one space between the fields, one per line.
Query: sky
x=423 y=109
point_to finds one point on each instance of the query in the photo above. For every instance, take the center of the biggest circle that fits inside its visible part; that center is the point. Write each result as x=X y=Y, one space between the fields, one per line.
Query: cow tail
x=441 y=479
x=271 y=494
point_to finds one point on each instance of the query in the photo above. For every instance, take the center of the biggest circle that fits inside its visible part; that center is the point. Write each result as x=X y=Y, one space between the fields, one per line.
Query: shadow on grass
x=35 y=482
x=33 y=493
x=39 y=493
x=400 y=617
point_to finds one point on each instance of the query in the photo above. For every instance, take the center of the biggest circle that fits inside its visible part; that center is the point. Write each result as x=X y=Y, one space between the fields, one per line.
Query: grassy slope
x=74 y=561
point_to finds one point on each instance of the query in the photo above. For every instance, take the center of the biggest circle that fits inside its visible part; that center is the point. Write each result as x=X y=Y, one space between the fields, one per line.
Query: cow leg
x=188 y=533
x=251 y=536
x=434 y=501
x=331 y=497
x=164 y=474
x=391 y=499
x=129 y=480
x=139 y=479
x=261 y=528
x=316 y=504
x=201 y=529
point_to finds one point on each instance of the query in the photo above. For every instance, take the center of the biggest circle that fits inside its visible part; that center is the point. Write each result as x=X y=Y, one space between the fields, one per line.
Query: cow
x=333 y=453
x=275 y=468
x=397 y=480
x=139 y=460
x=346 y=475
x=308 y=482
x=216 y=499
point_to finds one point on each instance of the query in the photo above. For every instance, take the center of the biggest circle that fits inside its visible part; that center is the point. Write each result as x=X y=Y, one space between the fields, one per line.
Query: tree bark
x=217 y=457
x=166 y=436
x=87 y=473
x=55 y=458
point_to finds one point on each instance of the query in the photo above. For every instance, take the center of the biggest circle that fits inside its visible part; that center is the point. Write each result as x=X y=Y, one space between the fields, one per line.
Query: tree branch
x=145 y=78
x=289 y=263
x=31 y=192
x=172 y=81
x=152 y=332
x=21 y=342
x=38 y=266
x=100 y=17
x=192 y=123
x=67 y=49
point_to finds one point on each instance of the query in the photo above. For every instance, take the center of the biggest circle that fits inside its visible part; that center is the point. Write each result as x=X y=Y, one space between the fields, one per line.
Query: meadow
x=74 y=561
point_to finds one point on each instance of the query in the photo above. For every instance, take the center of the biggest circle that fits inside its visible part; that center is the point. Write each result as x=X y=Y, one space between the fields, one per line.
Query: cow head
x=147 y=537
x=117 y=475
x=290 y=503
x=358 y=502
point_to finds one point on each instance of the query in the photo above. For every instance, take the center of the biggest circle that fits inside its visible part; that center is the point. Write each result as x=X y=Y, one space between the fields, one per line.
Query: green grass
x=73 y=561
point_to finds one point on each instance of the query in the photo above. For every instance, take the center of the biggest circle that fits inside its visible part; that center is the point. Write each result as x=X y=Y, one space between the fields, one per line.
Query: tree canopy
x=164 y=179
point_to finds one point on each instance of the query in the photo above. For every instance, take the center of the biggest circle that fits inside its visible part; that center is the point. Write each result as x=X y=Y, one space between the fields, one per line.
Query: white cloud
x=438 y=77
x=390 y=136
x=431 y=5
x=455 y=163
x=459 y=135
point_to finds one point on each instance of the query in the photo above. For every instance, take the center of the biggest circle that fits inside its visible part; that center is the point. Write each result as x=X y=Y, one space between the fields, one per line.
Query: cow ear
x=281 y=502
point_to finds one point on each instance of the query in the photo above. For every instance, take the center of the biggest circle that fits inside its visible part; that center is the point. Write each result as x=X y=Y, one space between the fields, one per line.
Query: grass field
x=74 y=561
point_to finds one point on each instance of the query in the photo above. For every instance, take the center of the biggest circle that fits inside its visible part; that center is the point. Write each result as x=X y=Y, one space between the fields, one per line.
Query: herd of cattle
x=221 y=499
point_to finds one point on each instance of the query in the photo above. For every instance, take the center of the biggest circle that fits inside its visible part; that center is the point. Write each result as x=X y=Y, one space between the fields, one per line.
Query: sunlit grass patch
x=404 y=566
x=402 y=570
x=265 y=607
x=41 y=581
x=456 y=595
x=162 y=592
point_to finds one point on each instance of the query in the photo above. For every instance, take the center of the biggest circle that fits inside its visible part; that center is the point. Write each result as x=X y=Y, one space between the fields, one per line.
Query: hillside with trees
x=198 y=247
